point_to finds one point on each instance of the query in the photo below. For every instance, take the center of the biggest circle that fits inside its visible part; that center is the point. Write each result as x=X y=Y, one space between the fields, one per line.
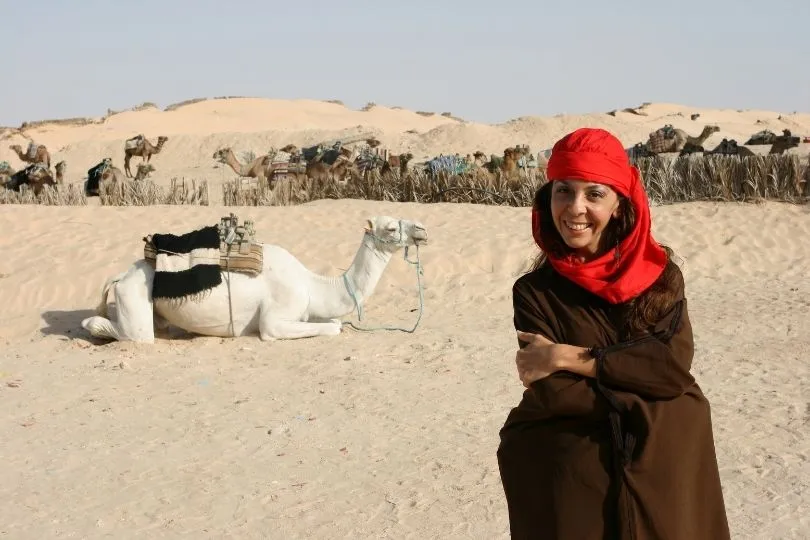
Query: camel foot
x=100 y=327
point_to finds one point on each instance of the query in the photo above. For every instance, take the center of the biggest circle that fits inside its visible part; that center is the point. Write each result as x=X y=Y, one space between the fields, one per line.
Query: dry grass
x=147 y=193
x=60 y=195
x=726 y=178
x=692 y=178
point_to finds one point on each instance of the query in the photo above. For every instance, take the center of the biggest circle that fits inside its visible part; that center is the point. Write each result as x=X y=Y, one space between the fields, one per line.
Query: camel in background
x=36 y=153
x=669 y=139
x=399 y=163
x=35 y=176
x=102 y=173
x=259 y=168
x=6 y=172
x=140 y=146
x=143 y=172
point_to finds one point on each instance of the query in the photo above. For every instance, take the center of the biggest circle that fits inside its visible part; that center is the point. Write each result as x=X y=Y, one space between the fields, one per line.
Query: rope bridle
x=418 y=266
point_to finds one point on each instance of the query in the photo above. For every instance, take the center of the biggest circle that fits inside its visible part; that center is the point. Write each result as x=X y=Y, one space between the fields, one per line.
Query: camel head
x=222 y=154
x=373 y=143
x=405 y=158
x=290 y=149
x=390 y=234
x=162 y=139
x=16 y=148
x=60 y=169
x=479 y=155
x=144 y=170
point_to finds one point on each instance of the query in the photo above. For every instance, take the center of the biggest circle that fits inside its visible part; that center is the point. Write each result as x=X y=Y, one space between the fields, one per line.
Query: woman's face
x=581 y=210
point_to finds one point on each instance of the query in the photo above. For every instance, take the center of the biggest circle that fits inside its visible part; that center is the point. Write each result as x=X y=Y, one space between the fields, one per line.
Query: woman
x=613 y=437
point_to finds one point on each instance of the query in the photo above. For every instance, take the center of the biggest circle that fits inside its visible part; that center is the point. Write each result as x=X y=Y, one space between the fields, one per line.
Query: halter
x=418 y=266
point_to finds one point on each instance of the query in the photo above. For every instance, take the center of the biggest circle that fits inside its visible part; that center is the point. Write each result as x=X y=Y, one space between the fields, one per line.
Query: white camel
x=285 y=301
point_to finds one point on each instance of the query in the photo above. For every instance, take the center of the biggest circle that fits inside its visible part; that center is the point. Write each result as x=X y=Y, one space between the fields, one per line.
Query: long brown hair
x=650 y=306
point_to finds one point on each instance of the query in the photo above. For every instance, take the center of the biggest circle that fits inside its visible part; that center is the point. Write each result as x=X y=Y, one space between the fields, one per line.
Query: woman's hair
x=650 y=306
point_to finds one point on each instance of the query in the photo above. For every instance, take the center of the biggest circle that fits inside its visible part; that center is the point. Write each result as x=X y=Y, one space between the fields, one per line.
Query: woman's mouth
x=576 y=227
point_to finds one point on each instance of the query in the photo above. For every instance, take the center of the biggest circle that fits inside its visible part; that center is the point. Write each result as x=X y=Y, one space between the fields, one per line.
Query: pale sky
x=483 y=61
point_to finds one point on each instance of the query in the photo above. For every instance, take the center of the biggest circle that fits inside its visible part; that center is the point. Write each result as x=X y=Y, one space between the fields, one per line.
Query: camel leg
x=127 y=157
x=133 y=300
x=271 y=327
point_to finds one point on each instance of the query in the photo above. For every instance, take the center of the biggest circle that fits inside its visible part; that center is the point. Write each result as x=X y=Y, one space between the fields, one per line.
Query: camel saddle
x=32 y=150
x=660 y=139
x=134 y=142
x=281 y=169
x=238 y=250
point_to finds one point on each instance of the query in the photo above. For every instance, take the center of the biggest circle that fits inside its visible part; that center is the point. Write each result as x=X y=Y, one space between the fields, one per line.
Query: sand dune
x=364 y=435
x=197 y=130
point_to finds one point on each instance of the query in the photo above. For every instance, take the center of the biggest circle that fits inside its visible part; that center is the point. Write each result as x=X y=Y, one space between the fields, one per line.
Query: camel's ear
x=369 y=225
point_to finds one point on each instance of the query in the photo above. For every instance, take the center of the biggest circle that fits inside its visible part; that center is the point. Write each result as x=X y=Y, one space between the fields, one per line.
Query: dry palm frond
x=667 y=180
x=147 y=193
x=59 y=195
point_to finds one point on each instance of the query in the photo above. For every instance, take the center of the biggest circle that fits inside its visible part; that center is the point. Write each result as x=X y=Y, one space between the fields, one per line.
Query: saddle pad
x=658 y=143
x=247 y=263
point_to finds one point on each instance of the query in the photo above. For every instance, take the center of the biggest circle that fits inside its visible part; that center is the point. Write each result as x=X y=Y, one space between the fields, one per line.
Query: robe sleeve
x=561 y=394
x=528 y=317
x=655 y=365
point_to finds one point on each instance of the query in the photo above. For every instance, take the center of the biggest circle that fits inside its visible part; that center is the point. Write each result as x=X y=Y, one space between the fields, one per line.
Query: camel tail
x=101 y=309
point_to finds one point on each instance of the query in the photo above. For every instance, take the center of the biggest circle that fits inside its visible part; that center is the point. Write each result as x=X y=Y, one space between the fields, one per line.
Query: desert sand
x=362 y=435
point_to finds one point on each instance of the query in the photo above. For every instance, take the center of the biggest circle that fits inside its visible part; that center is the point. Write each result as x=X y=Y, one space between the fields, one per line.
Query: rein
x=418 y=267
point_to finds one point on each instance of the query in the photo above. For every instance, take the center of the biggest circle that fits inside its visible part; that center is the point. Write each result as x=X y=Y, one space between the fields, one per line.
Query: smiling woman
x=613 y=437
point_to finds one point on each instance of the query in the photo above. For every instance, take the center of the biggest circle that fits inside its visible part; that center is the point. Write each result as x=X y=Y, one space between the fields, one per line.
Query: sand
x=362 y=435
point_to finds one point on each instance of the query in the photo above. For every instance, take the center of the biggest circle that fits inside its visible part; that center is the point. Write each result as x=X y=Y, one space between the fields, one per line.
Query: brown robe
x=628 y=455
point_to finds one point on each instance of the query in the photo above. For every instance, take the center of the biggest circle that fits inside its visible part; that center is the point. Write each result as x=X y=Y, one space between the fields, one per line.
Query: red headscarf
x=597 y=156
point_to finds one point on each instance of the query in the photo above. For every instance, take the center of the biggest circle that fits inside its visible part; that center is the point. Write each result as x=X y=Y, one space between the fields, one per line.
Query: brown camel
x=60 y=172
x=6 y=172
x=339 y=170
x=140 y=146
x=144 y=170
x=36 y=153
x=479 y=159
x=259 y=168
x=659 y=144
x=102 y=173
x=509 y=165
x=397 y=162
x=783 y=143
x=35 y=176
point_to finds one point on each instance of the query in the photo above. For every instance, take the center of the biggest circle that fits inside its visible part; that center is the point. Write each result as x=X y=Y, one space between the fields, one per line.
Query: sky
x=483 y=61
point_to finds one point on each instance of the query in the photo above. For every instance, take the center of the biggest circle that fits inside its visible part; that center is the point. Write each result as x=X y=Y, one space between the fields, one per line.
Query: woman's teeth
x=577 y=226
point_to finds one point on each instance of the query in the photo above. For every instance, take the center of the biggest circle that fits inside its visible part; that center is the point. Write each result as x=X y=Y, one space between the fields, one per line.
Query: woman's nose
x=577 y=205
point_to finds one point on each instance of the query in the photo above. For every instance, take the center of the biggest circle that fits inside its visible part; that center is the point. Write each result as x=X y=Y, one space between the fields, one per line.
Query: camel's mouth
x=420 y=238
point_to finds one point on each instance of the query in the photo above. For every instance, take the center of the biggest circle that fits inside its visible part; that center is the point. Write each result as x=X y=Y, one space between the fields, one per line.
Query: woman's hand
x=542 y=357
x=538 y=359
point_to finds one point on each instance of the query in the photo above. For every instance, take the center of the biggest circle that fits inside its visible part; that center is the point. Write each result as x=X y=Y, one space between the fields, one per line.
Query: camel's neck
x=334 y=297
x=700 y=139
x=234 y=163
